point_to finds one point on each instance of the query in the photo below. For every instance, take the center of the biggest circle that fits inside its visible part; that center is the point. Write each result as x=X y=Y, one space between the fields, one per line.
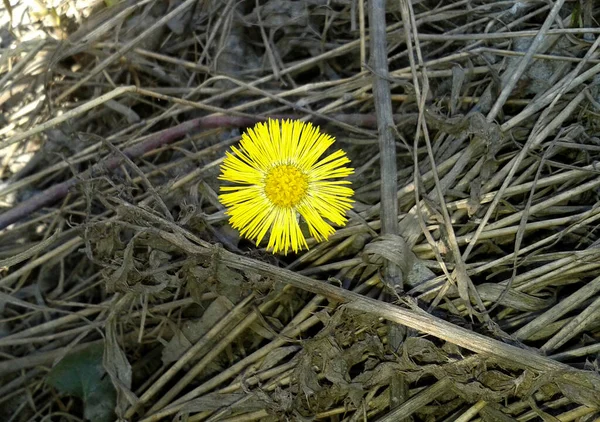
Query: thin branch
x=387 y=163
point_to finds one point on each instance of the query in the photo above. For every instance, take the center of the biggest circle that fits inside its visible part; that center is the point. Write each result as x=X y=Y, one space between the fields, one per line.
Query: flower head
x=279 y=175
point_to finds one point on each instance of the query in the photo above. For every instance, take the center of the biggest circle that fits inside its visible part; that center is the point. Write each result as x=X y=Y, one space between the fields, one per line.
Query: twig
x=385 y=121
x=393 y=277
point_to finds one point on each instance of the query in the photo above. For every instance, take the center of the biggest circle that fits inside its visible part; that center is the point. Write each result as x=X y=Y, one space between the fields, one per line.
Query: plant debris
x=469 y=290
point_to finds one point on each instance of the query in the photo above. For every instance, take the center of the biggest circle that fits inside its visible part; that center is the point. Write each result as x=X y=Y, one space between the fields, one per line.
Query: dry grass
x=473 y=296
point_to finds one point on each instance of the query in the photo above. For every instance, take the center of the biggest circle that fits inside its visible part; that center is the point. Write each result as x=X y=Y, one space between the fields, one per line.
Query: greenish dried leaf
x=82 y=375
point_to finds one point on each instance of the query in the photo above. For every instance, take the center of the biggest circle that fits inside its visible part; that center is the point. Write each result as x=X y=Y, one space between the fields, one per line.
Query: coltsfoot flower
x=278 y=175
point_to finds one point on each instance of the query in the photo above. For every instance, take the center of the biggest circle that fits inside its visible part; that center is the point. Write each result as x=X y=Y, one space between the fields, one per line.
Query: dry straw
x=456 y=264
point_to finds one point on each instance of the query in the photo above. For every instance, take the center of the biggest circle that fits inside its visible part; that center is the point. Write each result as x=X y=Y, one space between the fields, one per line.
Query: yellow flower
x=278 y=176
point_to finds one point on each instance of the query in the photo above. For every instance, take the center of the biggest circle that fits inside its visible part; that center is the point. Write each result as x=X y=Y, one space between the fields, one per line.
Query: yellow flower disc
x=277 y=174
x=285 y=185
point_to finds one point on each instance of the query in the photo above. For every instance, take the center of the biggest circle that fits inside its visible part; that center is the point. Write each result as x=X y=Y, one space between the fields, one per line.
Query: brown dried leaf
x=379 y=376
x=513 y=298
x=192 y=331
x=119 y=280
x=581 y=387
x=276 y=356
x=423 y=351
x=118 y=368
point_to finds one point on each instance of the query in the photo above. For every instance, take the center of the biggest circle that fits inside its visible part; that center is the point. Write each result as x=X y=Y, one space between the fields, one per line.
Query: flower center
x=285 y=185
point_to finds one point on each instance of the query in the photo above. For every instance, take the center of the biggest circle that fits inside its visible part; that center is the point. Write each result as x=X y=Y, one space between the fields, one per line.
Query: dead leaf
x=118 y=367
x=192 y=331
